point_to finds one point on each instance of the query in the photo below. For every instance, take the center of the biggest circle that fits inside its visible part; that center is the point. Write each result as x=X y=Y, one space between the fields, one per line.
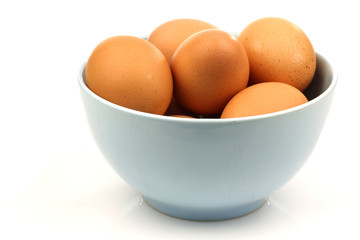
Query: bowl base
x=205 y=214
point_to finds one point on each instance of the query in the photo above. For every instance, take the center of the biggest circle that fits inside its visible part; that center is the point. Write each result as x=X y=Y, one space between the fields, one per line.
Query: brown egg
x=263 y=98
x=168 y=36
x=181 y=116
x=132 y=73
x=175 y=109
x=278 y=51
x=209 y=68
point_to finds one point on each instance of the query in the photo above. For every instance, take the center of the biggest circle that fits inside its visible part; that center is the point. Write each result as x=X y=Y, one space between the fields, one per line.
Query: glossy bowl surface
x=209 y=169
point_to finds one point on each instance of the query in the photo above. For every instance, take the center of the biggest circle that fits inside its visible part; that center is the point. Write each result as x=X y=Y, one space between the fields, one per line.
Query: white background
x=54 y=183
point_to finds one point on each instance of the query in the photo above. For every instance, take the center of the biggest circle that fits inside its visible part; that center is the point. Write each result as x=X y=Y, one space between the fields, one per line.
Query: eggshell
x=209 y=68
x=169 y=35
x=278 y=51
x=263 y=98
x=175 y=109
x=132 y=73
x=181 y=116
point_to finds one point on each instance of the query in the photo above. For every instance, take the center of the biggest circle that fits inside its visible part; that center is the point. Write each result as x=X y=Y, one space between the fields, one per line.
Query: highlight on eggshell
x=169 y=35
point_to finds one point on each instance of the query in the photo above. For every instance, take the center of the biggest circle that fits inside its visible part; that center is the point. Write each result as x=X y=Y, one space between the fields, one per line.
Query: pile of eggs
x=190 y=68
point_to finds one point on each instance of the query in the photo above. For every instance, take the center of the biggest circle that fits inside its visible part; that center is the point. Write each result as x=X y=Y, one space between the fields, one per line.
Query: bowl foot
x=205 y=214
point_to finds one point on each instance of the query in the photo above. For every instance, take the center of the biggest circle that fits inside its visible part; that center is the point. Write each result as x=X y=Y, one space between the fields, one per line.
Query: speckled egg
x=209 y=68
x=278 y=51
x=169 y=35
x=131 y=72
x=263 y=98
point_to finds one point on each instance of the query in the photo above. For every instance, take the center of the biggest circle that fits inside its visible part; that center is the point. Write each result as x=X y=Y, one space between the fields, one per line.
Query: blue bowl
x=209 y=169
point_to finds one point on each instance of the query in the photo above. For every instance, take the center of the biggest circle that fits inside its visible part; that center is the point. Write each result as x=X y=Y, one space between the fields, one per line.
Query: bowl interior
x=322 y=79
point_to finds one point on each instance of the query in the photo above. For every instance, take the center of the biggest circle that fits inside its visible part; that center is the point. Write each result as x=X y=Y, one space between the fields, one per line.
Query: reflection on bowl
x=209 y=169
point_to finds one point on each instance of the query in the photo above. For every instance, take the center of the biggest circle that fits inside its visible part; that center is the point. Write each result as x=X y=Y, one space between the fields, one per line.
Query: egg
x=278 y=51
x=131 y=72
x=263 y=98
x=181 y=116
x=175 y=109
x=209 y=68
x=169 y=35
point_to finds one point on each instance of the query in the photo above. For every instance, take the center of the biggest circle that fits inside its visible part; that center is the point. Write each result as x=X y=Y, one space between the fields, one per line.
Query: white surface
x=55 y=183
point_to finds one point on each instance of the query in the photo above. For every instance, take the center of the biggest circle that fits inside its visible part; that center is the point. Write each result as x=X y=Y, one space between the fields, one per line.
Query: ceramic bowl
x=209 y=169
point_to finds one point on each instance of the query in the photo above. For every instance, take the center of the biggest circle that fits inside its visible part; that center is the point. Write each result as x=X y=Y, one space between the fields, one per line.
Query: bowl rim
x=137 y=113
